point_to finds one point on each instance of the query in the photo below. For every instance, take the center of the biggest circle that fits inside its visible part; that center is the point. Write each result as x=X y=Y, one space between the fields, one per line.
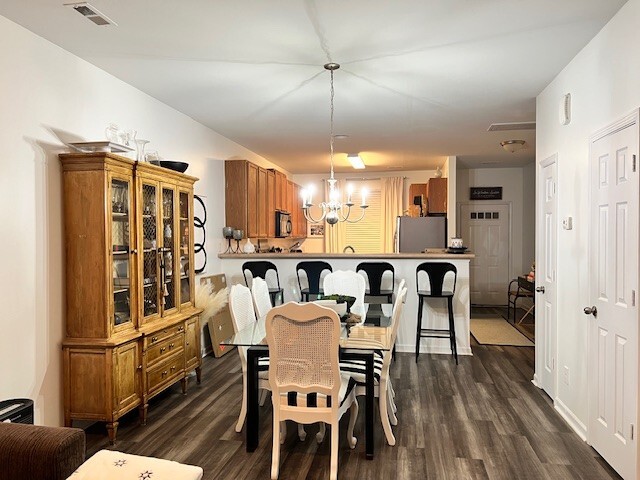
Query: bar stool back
x=260 y=269
x=313 y=270
x=436 y=273
x=375 y=271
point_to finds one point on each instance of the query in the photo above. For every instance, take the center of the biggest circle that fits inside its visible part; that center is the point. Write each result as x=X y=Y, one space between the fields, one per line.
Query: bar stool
x=436 y=273
x=260 y=269
x=375 y=271
x=313 y=271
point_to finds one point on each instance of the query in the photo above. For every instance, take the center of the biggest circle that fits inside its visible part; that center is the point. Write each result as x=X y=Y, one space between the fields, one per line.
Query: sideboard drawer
x=157 y=337
x=161 y=350
x=165 y=372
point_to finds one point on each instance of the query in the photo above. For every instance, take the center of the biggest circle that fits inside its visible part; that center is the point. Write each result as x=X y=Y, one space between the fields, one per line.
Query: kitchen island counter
x=404 y=264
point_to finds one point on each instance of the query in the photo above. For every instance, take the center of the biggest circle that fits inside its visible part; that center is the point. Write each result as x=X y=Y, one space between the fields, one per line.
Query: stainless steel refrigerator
x=413 y=235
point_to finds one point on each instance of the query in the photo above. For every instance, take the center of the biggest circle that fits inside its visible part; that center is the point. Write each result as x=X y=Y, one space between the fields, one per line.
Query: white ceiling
x=420 y=79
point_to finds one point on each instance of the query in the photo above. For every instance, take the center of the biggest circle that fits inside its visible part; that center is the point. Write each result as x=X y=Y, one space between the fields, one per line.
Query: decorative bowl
x=341 y=299
x=174 y=165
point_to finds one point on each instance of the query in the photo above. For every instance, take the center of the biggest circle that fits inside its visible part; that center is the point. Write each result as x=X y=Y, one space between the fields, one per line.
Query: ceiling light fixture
x=334 y=210
x=513 y=146
x=355 y=161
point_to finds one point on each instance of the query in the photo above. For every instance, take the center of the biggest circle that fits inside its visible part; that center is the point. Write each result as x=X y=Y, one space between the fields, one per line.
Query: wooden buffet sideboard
x=132 y=329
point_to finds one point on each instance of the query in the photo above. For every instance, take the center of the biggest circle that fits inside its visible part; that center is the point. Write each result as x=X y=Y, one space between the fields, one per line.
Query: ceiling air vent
x=91 y=12
x=501 y=127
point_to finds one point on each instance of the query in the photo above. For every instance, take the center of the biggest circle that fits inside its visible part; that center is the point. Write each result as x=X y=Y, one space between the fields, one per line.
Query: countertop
x=434 y=254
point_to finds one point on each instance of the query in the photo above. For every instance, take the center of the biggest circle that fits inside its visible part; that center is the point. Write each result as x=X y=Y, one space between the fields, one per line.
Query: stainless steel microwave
x=283 y=224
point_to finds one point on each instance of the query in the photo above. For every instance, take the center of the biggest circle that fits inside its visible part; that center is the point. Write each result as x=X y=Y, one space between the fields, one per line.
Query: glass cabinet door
x=150 y=265
x=121 y=249
x=169 y=253
x=185 y=242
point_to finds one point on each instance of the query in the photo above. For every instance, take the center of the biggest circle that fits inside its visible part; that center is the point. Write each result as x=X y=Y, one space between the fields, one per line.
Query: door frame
x=629 y=120
x=509 y=205
x=539 y=243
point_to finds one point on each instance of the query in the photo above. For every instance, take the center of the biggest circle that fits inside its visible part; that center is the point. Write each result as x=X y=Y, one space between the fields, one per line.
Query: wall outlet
x=567 y=223
x=565 y=375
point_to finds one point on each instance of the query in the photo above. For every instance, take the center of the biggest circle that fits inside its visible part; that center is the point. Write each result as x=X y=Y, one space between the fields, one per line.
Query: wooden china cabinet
x=132 y=327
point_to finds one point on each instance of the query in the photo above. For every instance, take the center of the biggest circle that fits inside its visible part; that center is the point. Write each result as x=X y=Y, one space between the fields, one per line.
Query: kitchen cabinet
x=289 y=196
x=129 y=285
x=262 y=204
x=251 y=229
x=280 y=190
x=295 y=212
x=437 y=196
x=417 y=190
x=271 y=204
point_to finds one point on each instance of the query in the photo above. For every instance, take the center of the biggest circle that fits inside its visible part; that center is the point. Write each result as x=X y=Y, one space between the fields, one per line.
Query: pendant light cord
x=331 y=125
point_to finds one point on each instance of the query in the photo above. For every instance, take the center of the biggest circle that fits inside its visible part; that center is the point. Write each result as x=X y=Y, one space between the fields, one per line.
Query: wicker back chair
x=261 y=298
x=304 y=373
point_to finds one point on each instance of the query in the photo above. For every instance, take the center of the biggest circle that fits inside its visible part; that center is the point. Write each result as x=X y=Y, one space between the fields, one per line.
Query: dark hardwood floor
x=482 y=419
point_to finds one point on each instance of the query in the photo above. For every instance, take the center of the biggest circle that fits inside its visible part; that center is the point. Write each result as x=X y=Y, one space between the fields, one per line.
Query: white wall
x=603 y=80
x=512 y=181
x=48 y=97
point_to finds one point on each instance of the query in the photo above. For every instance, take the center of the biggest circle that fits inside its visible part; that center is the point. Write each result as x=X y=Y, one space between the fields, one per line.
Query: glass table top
x=373 y=334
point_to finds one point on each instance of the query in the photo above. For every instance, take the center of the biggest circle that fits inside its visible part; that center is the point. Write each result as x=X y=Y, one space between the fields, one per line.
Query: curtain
x=333 y=235
x=391 y=194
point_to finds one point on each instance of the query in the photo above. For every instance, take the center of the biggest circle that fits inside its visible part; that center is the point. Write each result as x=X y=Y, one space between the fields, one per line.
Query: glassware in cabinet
x=120 y=190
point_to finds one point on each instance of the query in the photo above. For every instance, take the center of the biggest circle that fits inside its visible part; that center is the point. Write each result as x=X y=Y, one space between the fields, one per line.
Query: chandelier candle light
x=334 y=210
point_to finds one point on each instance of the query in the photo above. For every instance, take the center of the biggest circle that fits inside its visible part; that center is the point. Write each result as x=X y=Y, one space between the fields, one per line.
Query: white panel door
x=613 y=314
x=547 y=239
x=485 y=230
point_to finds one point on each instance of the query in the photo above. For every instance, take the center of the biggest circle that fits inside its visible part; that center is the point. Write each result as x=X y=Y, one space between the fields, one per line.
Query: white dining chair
x=304 y=373
x=383 y=389
x=243 y=315
x=261 y=297
x=346 y=282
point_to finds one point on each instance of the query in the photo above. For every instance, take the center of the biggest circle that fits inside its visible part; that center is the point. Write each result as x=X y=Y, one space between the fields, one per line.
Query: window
x=365 y=236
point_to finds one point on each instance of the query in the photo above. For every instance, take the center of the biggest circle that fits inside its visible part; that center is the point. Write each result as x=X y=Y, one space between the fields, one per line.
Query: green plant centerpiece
x=341 y=299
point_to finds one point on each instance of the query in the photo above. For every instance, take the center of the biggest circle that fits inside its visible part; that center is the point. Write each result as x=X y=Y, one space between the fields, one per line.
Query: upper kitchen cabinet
x=437 y=196
x=271 y=204
x=280 y=190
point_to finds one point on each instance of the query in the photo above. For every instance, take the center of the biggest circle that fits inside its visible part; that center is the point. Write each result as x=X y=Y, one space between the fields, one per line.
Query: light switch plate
x=567 y=223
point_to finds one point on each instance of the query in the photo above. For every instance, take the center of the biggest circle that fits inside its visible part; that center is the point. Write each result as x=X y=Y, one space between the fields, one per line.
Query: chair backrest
x=375 y=272
x=345 y=282
x=303 y=344
x=436 y=272
x=403 y=282
x=261 y=298
x=398 y=307
x=259 y=269
x=242 y=313
x=313 y=271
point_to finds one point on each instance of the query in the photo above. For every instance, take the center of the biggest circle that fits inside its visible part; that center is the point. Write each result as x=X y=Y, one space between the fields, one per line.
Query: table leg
x=370 y=389
x=253 y=405
x=369 y=397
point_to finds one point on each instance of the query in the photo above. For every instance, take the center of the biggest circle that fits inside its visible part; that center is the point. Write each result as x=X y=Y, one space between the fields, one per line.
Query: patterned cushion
x=358 y=369
x=112 y=465
x=313 y=400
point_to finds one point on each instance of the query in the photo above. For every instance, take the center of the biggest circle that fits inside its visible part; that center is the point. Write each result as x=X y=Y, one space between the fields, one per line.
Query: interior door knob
x=591 y=311
x=540 y=289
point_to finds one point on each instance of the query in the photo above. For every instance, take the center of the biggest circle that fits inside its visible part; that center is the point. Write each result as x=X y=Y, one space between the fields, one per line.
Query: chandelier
x=333 y=211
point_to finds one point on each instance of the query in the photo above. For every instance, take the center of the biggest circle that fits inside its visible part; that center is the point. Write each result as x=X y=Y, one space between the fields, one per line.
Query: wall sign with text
x=485 y=193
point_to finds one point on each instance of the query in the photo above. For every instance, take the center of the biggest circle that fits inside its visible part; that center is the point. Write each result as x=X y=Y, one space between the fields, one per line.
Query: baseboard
x=535 y=380
x=444 y=350
x=571 y=419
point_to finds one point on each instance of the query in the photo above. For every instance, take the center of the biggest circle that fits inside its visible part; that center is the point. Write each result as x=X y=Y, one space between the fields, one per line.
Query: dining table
x=360 y=342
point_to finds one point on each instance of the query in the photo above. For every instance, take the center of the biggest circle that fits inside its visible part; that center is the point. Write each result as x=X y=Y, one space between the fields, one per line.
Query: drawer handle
x=162 y=349
x=164 y=373
x=139 y=367
x=187 y=344
x=154 y=339
x=181 y=328
x=173 y=368
x=164 y=331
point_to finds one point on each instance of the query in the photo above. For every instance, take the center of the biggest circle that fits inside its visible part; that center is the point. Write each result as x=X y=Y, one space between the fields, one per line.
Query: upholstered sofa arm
x=32 y=452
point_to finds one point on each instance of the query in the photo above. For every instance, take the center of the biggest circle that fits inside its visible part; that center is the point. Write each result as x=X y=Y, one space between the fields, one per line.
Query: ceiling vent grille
x=501 y=127
x=92 y=13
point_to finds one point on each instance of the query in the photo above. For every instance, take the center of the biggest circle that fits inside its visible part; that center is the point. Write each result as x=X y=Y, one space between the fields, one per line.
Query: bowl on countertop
x=171 y=165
